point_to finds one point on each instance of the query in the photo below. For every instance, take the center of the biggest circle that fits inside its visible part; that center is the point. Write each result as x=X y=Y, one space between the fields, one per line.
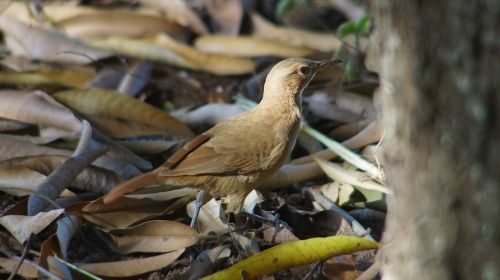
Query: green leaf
x=282 y=7
x=361 y=26
x=347 y=28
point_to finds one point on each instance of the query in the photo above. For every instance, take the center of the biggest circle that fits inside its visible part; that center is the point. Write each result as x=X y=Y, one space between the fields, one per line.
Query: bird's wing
x=218 y=152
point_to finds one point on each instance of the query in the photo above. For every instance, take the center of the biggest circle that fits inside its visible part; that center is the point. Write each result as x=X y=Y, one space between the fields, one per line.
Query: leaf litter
x=68 y=134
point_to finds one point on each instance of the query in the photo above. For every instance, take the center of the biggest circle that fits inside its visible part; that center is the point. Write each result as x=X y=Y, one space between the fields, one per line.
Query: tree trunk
x=441 y=110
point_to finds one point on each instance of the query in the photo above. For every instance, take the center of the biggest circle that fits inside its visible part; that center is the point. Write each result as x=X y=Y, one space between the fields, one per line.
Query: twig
x=23 y=256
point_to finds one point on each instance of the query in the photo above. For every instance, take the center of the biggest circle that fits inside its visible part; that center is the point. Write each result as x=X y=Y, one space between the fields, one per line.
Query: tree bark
x=439 y=67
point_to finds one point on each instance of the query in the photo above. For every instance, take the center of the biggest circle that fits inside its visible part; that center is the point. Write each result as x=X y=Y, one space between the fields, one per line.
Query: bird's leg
x=279 y=224
x=197 y=207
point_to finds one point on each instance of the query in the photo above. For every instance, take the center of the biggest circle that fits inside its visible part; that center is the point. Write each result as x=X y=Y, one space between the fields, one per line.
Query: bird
x=238 y=154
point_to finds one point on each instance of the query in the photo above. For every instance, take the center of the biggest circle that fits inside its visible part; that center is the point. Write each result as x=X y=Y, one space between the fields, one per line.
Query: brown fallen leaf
x=19 y=181
x=247 y=46
x=21 y=227
x=350 y=177
x=225 y=16
x=157 y=236
x=165 y=49
x=293 y=36
x=91 y=179
x=340 y=268
x=131 y=267
x=180 y=12
x=38 y=108
x=126 y=211
x=45 y=76
x=121 y=116
x=46 y=45
x=209 y=219
x=105 y=23
x=27 y=269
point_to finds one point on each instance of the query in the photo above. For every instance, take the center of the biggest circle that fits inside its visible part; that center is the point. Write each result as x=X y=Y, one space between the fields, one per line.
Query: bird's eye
x=304 y=70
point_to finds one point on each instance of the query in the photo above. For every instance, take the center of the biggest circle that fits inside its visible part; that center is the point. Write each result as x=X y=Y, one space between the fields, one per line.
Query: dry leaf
x=167 y=50
x=295 y=37
x=121 y=116
x=126 y=211
x=180 y=12
x=225 y=16
x=27 y=269
x=19 y=181
x=156 y=236
x=211 y=114
x=21 y=227
x=37 y=107
x=45 y=76
x=350 y=177
x=247 y=46
x=209 y=219
x=46 y=45
x=91 y=179
x=105 y=23
x=131 y=267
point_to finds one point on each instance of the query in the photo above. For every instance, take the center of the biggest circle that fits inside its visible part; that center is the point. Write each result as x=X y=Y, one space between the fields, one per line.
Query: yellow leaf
x=70 y=78
x=293 y=254
x=121 y=116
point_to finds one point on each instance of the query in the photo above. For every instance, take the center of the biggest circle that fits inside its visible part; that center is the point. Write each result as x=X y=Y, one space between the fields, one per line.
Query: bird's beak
x=324 y=64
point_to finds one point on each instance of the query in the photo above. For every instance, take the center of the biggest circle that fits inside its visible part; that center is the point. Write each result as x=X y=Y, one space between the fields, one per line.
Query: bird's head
x=291 y=76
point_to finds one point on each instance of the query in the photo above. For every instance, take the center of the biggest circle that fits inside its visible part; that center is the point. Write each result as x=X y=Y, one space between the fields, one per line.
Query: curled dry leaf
x=156 y=236
x=209 y=219
x=121 y=116
x=247 y=46
x=46 y=45
x=105 y=23
x=131 y=267
x=295 y=37
x=293 y=254
x=37 y=107
x=178 y=11
x=21 y=227
x=165 y=49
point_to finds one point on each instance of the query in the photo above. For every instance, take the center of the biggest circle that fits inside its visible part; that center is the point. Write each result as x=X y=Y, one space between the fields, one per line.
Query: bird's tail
x=139 y=182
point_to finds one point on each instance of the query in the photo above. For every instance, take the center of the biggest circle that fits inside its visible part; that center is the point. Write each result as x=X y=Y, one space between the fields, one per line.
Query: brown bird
x=238 y=154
